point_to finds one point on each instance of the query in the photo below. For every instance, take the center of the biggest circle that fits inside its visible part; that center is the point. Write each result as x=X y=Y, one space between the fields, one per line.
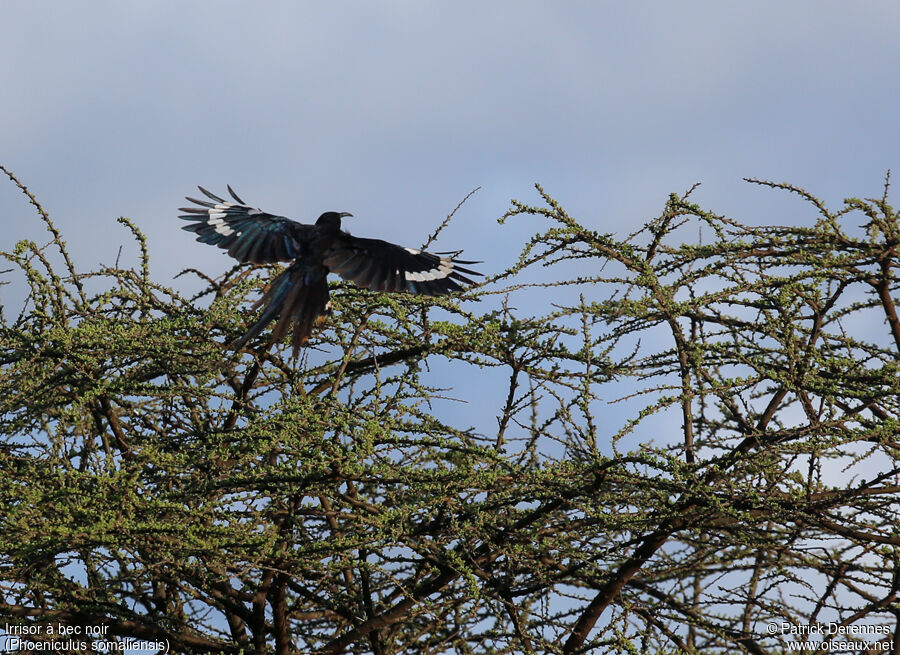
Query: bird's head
x=332 y=219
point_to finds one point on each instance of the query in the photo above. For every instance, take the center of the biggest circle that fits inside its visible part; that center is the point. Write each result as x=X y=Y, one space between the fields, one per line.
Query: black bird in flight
x=299 y=295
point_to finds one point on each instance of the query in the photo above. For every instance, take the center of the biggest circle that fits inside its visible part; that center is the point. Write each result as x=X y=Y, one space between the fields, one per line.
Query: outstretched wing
x=382 y=266
x=248 y=234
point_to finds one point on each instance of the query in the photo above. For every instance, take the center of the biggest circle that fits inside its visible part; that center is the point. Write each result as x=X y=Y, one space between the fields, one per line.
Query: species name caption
x=62 y=638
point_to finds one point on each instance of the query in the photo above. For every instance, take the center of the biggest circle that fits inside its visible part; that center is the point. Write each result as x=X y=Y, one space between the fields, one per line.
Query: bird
x=299 y=294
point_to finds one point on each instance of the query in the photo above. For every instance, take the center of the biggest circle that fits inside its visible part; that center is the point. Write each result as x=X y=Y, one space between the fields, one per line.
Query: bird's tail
x=296 y=296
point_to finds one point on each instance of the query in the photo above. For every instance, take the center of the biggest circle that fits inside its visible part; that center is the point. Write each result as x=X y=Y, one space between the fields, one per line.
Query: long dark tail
x=296 y=296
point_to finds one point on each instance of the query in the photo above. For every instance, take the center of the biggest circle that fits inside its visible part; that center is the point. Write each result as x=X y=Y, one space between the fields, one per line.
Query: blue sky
x=396 y=110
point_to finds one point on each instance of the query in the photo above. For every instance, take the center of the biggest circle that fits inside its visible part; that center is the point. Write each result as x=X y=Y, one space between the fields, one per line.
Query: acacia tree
x=161 y=488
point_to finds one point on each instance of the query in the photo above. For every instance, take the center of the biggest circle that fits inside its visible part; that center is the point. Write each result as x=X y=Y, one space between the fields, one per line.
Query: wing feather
x=382 y=266
x=248 y=234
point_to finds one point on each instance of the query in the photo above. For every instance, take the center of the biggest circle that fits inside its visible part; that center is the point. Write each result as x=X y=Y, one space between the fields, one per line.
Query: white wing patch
x=224 y=230
x=439 y=273
x=217 y=221
x=217 y=216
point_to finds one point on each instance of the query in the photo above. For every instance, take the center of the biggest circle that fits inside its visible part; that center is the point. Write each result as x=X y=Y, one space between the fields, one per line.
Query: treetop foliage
x=696 y=438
